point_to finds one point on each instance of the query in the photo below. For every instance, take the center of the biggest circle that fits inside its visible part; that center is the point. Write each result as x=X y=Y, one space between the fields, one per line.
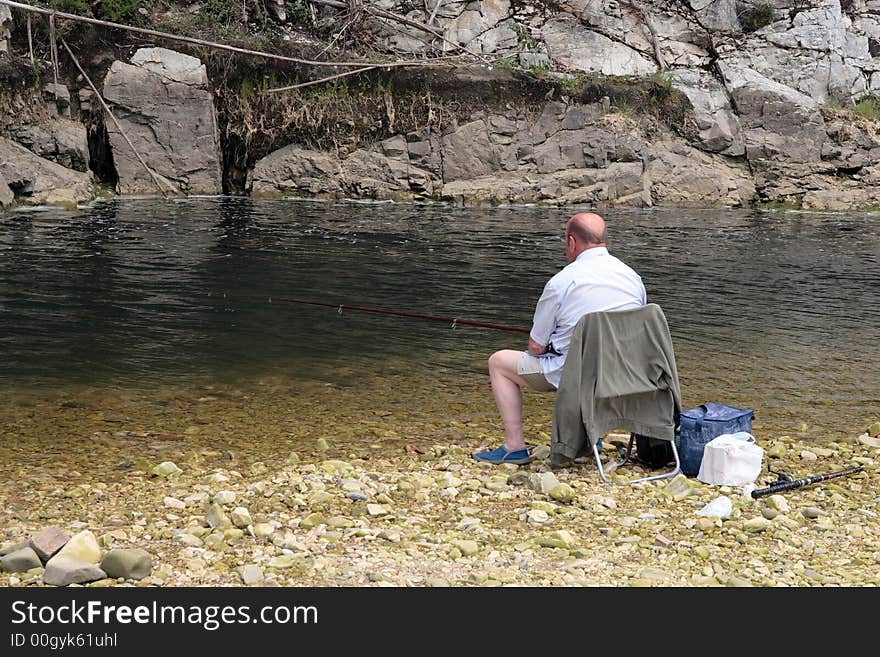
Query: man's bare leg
x=507 y=388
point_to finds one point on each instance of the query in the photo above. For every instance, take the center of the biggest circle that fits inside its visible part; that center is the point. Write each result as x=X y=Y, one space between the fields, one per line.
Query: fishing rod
x=383 y=311
x=785 y=482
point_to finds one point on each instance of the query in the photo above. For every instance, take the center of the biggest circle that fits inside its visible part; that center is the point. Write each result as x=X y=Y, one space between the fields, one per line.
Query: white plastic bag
x=720 y=507
x=731 y=459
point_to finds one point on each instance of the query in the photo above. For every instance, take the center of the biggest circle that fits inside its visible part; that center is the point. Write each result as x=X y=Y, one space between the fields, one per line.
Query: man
x=593 y=281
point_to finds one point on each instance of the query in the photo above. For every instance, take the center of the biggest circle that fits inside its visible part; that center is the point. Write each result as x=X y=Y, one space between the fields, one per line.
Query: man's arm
x=544 y=321
x=536 y=349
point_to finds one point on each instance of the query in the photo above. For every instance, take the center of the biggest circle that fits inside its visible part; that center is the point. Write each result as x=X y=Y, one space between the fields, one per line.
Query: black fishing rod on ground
x=785 y=482
x=384 y=311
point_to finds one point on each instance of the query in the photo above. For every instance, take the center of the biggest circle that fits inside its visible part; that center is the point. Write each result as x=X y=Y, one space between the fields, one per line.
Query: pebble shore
x=433 y=516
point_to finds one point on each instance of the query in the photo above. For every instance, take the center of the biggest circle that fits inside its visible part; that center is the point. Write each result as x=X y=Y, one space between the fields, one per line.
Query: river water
x=110 y=307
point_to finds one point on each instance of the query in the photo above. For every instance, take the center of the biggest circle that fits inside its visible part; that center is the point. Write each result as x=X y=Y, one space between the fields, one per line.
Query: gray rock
x=13 y=547
x=241 y=517
x=683 y=176
x=171 y=65
x=166 y=469
x=293 y=169
x=543 y=482
x=379 y=173
x=468 y=152
x=47 y=542
x=36 y=181
x=216 y=518
x=61 y=571
x=58 y=139
x=573 y=46
x=58 y=95
x=130 y=564
x=779 y=123
x=7 y=198
x=717 y=16
x=164 y=105
x=20 y=561
x=356 y=496
x=5 y=22
x=719 y=126
x=225 y=497
x=251 y=574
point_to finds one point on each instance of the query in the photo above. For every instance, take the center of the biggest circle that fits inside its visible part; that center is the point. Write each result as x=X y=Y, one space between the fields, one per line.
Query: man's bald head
x=583 y=231
x=588 y=228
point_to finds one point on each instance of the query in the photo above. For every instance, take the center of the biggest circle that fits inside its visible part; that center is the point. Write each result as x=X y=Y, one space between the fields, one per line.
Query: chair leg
x=616 y=465
x=665 y=475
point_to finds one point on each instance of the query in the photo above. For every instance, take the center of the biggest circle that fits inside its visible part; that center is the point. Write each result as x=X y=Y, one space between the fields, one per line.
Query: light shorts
x=529 y=368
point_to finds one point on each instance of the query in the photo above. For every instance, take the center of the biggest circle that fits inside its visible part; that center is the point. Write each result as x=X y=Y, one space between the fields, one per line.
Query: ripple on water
x=774 y=311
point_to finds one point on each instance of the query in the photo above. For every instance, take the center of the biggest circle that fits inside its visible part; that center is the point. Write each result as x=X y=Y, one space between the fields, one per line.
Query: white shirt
x=595 y=281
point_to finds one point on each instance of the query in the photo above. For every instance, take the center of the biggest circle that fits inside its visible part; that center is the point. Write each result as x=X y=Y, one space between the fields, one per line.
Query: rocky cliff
x=748 y=102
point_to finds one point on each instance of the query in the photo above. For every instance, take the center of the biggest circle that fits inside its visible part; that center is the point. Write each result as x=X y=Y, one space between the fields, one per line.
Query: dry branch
x=202 y=42
x=375 y=11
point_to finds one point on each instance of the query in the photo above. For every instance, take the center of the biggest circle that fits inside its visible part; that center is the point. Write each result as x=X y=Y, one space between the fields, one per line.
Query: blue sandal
x=502 y=455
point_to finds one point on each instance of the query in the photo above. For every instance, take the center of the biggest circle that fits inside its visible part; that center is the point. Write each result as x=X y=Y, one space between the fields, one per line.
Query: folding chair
x=620 y=373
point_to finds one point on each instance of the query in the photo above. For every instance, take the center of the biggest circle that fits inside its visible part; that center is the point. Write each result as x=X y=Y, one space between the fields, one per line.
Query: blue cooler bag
x=703 y=423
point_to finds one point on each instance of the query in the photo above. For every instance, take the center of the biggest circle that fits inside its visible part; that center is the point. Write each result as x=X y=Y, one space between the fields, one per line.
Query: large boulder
x=130 y=564
x=296 y=170
x=718 y=125
x=61 y=571
x=680 y=38
x=382 y=171
x=482 y=28
x=58 y=139
x=779 y=123
x=36 y=181
x=815 y=52
x=683 y=176
x=20 y=561
x=573 y=46
x=468 y=152
x=164 y=105
x=81 y=547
